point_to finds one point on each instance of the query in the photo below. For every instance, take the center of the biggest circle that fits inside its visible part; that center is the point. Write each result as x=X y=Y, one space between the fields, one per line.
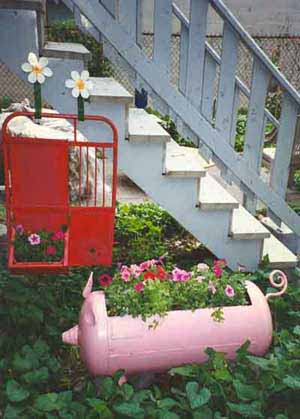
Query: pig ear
x=88 y=287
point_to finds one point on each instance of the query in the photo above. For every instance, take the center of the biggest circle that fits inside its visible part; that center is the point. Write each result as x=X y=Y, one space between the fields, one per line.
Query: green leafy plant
x=66 y=31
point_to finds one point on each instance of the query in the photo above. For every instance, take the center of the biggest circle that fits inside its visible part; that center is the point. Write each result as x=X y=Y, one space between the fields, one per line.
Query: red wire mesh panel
x=41 y=196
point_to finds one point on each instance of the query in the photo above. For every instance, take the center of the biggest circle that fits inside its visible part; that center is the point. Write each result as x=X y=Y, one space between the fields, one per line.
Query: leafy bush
x=42 y=378
x=66 y=31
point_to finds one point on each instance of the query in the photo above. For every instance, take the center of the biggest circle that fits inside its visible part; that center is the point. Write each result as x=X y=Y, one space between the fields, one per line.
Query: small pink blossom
x=180 y=275
x=229 y=291
x=200 y=278
x=139 y=287
x=34 y=239
x=105 y=280
x=125 y=273
x=220 y=262
x=202 y=267
x=19 y=229
x=242 y=268
x=211 y=287
x=217 y=270
x=147 y=264
x=135 y=270
x=59 y=235
x=50 y=250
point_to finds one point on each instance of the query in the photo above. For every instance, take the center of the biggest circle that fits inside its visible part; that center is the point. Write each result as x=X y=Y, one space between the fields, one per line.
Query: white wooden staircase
x=175 y=177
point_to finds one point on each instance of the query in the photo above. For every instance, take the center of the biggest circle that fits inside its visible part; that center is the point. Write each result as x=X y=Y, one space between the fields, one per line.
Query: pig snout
x=71 y=336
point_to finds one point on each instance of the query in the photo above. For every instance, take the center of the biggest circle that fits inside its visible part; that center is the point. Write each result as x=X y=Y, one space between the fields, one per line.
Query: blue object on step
x=141 y=99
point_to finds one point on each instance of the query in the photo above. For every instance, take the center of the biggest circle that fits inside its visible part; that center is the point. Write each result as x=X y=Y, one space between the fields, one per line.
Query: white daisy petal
x=32 y=59
x=47 y=72
x=89 y=85
x=32 y=77
x=75 y=75
x=41 y=78
x=75 y=92
x=85 y=93
x=70 y=83
x=43 y=62
x=85 y=75
x=26 y=67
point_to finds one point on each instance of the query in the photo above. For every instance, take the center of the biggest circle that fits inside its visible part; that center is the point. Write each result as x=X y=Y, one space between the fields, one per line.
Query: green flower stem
x=37 y=100
x=80 y=103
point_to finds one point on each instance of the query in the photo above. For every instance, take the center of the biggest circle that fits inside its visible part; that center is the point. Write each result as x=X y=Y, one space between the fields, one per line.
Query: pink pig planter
x=108 y=344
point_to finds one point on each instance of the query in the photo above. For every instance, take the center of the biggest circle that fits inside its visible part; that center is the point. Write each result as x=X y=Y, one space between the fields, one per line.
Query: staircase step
x=183 y=161
x=22 y=5
x=67 y=50
x=246 y=227
x=214 y=197
x=108 y=88
x=279 y=255
x=143 y=127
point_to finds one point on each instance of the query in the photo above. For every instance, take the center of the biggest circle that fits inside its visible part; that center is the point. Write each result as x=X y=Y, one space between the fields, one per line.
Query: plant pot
x=37 y=267
x=108 y=344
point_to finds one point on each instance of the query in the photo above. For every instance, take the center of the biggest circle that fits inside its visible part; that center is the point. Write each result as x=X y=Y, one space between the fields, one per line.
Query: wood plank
x=162 y=34
x=196 y=51
x=284 y=146
x=100 y=18
x=110 y=5
x=225 y=101
x=210 y=71
x=254 y=138
x=184 y=44
x=128 y=16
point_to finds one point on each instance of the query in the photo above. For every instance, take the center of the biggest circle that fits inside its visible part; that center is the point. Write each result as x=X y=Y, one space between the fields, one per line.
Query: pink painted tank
x=111 y=343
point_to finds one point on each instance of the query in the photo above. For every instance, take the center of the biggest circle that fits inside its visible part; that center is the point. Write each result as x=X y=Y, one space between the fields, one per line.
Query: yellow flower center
x=37 y=69
x=80 y=84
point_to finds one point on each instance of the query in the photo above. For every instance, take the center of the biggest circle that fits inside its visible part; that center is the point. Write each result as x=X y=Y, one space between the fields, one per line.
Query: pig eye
x=89 y=318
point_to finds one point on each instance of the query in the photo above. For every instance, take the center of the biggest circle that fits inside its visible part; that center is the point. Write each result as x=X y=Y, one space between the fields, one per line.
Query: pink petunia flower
x=217 y=270
x=200 y=278
x=202 y=267
x=125 y=273
x=211 y=287
x=135 y=270
x=180 y=275
x=19 y=229
x=147 y=264
x=220 y=262
x=229 y=291
x=50 y=250
x=105 y=280
x=34 y=239
x=59 y=235
x=139 y=287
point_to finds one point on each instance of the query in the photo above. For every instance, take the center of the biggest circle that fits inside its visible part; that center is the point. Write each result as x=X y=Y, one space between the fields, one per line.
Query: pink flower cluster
x=127 y=272
x=34 y=239
x=180 y=275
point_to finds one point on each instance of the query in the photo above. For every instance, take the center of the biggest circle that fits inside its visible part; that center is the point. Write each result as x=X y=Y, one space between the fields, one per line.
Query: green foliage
x=297 y=179
x=170 y=126
x=42 y=378
x=66 y=31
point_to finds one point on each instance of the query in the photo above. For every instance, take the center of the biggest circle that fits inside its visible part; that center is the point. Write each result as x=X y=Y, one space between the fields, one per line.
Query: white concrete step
x=66 y=50
x=279 y=255
x=143 y=127
x=214 y=197
x=108 y=88
x=246 y=227
x=183 y=161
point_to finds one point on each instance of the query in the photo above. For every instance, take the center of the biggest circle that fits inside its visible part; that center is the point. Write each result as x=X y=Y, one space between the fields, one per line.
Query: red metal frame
x=89 y=238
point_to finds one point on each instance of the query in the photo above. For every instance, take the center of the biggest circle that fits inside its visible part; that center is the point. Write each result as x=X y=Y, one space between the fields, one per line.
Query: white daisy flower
x=37 y=69
x=80 y=84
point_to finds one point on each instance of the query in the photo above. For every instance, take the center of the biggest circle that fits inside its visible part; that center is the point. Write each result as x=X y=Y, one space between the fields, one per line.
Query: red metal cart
x=38 y=196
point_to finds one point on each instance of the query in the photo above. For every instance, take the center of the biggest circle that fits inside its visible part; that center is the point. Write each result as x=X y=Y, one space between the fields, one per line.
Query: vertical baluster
x=236 y=104
x=184 y=44
x=162 y=34
x=227 y=82
x=210 y=71
x=254 y=138
x=284 y=146
x=196 y=50
x=128 y=16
